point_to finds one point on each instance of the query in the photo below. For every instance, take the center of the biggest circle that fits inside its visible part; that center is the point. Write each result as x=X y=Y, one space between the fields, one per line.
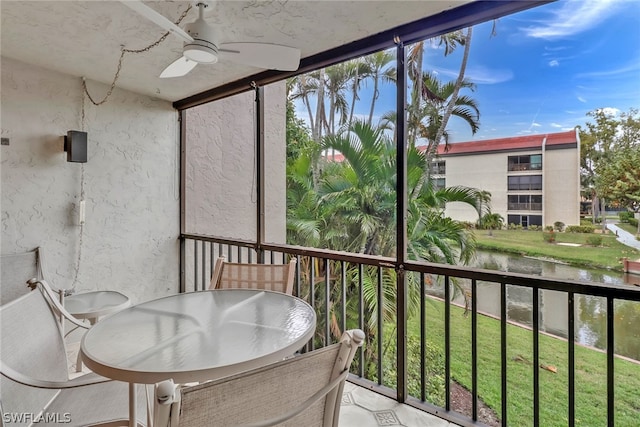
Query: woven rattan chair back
x=304 y=390
x=270 y=277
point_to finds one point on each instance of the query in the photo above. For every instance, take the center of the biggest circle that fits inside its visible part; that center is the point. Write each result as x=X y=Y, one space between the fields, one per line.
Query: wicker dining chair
x=304 y=390
x=270 y=277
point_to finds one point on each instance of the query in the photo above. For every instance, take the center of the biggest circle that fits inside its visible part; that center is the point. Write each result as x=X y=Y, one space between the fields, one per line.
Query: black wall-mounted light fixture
x=75 y=144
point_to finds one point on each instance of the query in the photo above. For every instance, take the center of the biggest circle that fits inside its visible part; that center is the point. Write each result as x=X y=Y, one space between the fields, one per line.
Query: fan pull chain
x=124 y=51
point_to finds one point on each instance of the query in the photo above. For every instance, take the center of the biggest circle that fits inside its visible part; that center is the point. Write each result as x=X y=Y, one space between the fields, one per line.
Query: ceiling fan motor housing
x=203 y=48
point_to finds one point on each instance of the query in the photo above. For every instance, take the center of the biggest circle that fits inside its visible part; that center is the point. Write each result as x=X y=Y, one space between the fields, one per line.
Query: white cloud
x=572 y=17
x=554 y=63
x=631 y=68
x=479 y=74
x=581 y=99
x=535 y=125
x=556 y=125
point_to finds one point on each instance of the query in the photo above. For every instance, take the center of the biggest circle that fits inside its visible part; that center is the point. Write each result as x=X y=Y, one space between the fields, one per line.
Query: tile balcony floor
x=360 y=407
x=365 y=408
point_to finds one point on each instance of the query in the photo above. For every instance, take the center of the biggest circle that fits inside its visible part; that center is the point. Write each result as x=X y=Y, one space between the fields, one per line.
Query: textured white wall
x=561 y=186
x=221 y=186
x=130 y=238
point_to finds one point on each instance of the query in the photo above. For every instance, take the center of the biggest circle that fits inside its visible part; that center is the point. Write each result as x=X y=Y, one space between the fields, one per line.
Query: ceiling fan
x=201 y=45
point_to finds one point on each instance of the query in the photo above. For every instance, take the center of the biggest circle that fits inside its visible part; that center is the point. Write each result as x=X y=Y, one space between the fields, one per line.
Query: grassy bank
x=590 y=371
x=531 y=243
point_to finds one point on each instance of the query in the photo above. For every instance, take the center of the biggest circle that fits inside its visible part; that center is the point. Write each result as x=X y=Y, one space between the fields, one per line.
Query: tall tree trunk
x=456 y=89
x=354 y=96
x=416 y=93
x=305 y=100
x=447 y=114
x=320 y=111
x=374 y=97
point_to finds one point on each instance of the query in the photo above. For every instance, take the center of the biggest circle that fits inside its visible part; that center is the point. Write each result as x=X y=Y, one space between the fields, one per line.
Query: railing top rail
x=626 y=292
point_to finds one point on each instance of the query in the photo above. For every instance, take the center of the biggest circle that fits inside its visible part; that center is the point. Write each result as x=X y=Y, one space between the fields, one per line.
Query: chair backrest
x=15 y=270
x=294 y=392
x=270 y=277
x=31 y=343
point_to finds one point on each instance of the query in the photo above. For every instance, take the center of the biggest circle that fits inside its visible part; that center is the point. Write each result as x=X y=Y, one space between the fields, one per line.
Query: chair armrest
x=53 y=301
x=304 y=405
x=82 y=381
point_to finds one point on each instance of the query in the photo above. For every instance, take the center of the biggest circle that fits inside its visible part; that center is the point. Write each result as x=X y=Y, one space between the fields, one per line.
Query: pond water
x=590 y=312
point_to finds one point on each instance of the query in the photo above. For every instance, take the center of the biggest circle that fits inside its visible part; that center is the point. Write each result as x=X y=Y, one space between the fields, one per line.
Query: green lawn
x=590 y=370
x=531 y=243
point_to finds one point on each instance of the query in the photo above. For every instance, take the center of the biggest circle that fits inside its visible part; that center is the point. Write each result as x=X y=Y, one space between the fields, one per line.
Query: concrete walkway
x=624 y=237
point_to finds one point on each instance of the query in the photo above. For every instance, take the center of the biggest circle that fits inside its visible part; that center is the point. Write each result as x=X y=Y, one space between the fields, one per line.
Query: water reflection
x=590 y=312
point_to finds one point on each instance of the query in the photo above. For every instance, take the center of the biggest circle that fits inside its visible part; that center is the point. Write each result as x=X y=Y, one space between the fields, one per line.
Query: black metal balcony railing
x=352 y=290
x=524 y=206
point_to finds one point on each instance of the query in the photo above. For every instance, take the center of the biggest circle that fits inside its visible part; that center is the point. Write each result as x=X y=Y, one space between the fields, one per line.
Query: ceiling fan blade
x=178 y=68
x=262 y=55
x=157 y=18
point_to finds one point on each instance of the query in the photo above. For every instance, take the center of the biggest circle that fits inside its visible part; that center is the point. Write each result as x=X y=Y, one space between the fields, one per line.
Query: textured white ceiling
x=83 y=38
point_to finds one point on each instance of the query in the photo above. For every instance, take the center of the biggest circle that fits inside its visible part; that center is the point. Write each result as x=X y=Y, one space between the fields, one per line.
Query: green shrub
x=633 y=222
x=434 y=365
x=558 y=225
x=534 y=228
x=548 y=228
x=594 y=240
x=624 y=216
x=580 y=229
x=549 y=236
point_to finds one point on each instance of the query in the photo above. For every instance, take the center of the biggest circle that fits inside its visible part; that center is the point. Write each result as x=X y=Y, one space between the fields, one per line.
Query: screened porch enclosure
x=422 y=341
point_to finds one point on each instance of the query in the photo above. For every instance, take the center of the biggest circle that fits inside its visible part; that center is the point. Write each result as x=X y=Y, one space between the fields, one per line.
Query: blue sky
x=547 y=67
x=544 y=68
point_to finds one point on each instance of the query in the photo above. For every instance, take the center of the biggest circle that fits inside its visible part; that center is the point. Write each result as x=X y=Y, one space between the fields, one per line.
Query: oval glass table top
x=198 y=336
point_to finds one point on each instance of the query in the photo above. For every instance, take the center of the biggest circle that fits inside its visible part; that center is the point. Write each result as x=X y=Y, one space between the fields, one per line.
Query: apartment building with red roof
x=533 y=180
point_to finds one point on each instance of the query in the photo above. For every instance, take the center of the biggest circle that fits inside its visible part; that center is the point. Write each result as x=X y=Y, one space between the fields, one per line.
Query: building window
x=525 y=182
x=438 y=167
x=439 y=183
x=524 y=202
x=532 y=162
x=525 y=220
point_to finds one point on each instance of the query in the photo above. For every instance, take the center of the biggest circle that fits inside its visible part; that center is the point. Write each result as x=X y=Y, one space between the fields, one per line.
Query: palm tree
x=491 y=221
x=463 y=107
x=415 y=57
x=358 y=196
x=460 y=81
x=358 y=71
x=306 y=87
x=337 y=78
x=377 y=66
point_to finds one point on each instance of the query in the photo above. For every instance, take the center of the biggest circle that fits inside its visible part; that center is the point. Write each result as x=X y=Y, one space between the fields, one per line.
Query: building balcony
x=524 y=206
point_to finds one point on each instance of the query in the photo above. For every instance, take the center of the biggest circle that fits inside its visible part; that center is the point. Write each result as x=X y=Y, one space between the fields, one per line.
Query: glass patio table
x=197 y=336
x=93 y=305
